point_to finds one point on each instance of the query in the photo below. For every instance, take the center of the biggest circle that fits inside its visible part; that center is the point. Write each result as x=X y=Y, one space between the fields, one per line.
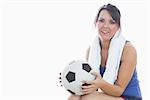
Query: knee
x=84 y=97
x=91 y=96
x=87 y=97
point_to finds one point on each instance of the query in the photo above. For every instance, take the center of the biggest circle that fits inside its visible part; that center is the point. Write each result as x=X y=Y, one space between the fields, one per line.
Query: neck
x=105 y=45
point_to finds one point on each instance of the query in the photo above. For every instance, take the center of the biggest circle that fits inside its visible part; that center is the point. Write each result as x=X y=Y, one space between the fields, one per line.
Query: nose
x=106 y=25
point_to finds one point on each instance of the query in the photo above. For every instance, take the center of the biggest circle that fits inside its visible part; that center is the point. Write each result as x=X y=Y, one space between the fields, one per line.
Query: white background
x=39 y=37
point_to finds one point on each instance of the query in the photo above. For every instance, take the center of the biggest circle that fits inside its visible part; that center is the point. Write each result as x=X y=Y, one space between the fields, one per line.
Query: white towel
x=114 y=55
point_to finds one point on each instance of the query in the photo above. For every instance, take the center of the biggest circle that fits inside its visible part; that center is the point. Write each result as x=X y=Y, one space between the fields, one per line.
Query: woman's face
x=106 y=26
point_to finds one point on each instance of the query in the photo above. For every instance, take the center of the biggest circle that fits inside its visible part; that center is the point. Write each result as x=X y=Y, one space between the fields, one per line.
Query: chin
x=106 y=38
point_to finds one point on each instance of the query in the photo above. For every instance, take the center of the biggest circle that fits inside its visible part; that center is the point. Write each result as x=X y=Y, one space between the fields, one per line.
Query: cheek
x=99 y=27
x=114 y=27
x=113 y=30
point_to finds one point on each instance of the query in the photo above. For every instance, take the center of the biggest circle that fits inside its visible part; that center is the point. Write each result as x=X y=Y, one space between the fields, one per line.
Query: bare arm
x=87 y=53
x=128 y=63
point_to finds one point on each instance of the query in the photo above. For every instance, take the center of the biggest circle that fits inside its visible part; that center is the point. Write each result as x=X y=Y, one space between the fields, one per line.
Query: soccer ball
x=73 y=75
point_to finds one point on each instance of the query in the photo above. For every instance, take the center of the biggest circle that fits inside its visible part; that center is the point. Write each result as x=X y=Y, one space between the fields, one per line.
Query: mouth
x=105 y=32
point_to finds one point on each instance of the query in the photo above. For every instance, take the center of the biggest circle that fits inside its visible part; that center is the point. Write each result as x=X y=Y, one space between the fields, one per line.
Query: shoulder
x=129 y=46
x=129 y=52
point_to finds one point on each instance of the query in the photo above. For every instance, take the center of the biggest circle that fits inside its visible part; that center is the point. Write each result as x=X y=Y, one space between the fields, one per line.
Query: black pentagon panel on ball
x=86 y=67
x=70 y=76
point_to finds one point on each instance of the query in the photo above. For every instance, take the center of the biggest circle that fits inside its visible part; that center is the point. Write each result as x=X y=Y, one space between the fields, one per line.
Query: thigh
x=99 y=96
x=74 y=97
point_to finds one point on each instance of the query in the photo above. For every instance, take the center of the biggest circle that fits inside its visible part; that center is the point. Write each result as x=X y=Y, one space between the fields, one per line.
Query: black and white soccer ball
x=74 y=74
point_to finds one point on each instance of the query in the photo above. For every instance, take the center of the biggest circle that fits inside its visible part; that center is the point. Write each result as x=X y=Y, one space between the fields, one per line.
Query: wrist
x=101 y=83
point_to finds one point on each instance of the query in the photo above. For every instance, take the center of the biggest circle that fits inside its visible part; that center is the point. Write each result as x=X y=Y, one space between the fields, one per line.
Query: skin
x=106 y=28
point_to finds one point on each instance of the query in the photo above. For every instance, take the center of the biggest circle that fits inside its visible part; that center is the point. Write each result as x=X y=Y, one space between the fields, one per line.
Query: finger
x=84 y=90
x=87 y=91
x=87 y=82
x=88 y=87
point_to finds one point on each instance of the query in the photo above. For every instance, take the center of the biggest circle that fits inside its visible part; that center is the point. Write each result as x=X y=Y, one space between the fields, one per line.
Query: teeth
x=105 y=32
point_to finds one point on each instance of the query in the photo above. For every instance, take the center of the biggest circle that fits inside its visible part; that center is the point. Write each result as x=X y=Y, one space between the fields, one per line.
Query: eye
x=112 y=22
x=101 y=20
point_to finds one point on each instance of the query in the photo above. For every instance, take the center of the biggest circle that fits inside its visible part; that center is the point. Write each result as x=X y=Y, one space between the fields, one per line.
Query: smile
x=105 y=32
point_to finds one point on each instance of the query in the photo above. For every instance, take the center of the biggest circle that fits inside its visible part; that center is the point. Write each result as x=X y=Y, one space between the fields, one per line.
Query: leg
x=99 y=96
x=74 y=97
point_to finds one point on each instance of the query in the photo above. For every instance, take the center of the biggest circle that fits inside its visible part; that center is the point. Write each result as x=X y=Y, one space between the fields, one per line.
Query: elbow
x=120 y=92
x=117 y=93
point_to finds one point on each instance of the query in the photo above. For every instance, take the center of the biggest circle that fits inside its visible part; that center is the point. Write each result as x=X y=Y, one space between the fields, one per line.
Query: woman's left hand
x=94 y=84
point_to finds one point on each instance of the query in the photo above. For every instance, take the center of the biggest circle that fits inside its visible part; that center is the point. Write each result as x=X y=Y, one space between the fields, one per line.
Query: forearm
x=110 y=89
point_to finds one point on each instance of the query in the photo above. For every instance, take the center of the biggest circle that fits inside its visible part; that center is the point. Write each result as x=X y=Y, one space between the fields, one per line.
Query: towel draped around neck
x=114 y=56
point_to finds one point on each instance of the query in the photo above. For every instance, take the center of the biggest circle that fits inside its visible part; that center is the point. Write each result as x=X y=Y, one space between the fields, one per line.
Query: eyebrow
x=100 y=18
x=104 y=18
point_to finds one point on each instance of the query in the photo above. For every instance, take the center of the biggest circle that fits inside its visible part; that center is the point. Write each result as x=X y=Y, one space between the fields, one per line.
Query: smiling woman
x=108 y=22
x=123 y=87
x=38 y=37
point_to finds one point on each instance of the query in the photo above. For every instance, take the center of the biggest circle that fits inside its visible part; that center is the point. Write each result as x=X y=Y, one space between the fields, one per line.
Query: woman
x=126 y=86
